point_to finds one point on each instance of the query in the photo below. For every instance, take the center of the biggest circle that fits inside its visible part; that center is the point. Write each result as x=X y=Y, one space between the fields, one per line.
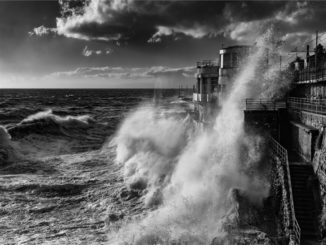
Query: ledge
x=306 y=128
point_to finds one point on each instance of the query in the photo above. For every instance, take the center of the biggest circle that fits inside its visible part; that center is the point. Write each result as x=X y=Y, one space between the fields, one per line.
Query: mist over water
x=189 y=175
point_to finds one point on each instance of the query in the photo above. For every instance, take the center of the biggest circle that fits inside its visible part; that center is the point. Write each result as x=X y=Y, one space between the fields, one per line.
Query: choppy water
x=57 y=170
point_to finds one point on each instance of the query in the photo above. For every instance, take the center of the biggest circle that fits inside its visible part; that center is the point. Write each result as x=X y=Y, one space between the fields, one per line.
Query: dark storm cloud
x=134 y=20
x=131 y=21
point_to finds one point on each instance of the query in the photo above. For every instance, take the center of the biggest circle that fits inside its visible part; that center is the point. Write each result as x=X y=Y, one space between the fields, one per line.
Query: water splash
x=202 y=174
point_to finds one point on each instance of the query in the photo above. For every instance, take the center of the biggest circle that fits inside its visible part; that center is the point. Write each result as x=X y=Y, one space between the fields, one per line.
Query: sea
x=58 y=173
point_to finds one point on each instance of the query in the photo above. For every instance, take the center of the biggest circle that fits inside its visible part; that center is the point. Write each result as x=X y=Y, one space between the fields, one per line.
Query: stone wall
x=319 y=163
x=282 y=213
x=283 y=208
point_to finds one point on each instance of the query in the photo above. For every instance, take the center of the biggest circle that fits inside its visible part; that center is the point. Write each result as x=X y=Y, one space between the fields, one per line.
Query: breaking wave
x=191 y=177
x=46 y=122
x=149 y=144
x=46 y=134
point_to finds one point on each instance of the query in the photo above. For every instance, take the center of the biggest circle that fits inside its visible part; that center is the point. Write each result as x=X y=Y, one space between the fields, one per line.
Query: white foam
x=82 y=120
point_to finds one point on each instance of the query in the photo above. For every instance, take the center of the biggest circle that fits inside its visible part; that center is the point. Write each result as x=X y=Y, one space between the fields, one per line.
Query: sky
x=138 y=43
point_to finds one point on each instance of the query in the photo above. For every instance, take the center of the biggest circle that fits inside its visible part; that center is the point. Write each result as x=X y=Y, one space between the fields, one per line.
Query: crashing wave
x=46 y=122
x=192 y=179
x=148 y=145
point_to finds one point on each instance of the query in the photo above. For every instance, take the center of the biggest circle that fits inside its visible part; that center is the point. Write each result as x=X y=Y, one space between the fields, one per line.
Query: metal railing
x=310 y=75
x=197 y=97
x=290 y=222
x=264 y=105
x=311 y=105
x=206 y=63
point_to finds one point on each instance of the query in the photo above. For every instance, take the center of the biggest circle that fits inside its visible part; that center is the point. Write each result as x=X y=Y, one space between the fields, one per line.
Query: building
x=309 y=78
x=301 y=148
x=230 y=60
x=213 y=79
x=205 y=90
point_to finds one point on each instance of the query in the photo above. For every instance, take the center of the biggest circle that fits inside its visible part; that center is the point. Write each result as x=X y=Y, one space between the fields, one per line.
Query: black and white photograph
x=162 y=122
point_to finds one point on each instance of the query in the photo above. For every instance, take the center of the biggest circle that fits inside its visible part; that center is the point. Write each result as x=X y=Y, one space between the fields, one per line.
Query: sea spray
x=198 y=194
x=149 y=144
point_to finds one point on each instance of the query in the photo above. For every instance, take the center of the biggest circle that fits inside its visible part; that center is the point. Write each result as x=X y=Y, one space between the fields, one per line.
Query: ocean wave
x=7 y=152
x=46 y=123
x=82 y=120
x=14 y=114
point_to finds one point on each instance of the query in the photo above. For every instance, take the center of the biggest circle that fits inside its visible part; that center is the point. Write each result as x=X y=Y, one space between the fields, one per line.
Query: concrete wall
x=302 y=140
x=305 y=129
x=265 y=121
x=308 y=118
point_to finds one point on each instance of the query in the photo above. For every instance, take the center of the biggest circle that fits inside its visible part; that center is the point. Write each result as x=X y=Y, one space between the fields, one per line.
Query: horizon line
x=96 y=88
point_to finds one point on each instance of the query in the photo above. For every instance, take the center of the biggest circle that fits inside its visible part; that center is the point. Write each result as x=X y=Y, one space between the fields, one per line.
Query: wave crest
x=82 y=120
x=45 y=122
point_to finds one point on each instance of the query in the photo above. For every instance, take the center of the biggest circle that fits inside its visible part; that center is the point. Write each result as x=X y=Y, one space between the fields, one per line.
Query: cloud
x=293 y=23
x=297 y=39
x=127 y=73
x=245 y=31
x=42 y=31
x=295 y=13
x=102 y=20
x=197 y=32
x=89 y=52
x=157 y=71
x=132 y=21
x=116 y=20
x=86 y=52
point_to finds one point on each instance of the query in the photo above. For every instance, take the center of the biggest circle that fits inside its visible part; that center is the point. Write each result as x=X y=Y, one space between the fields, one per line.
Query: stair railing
x=290 y=223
